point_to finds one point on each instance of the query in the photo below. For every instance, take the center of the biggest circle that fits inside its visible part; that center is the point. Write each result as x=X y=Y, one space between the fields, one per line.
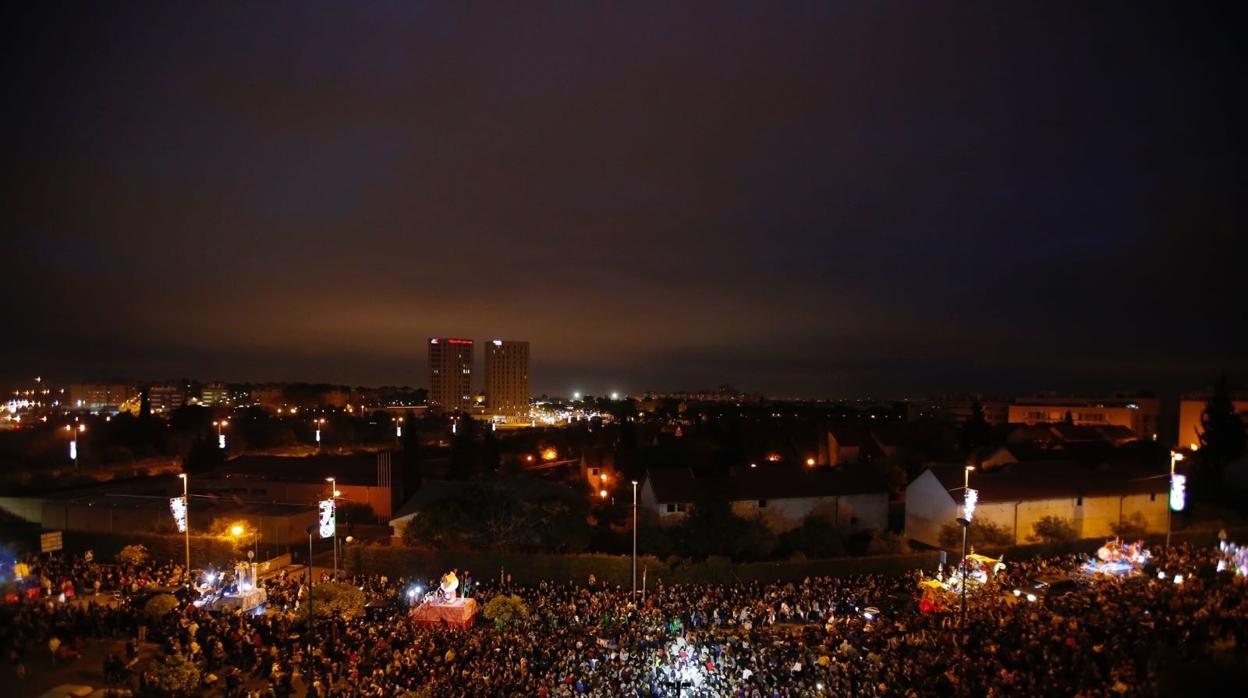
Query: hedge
x=530 y=569
x=205 y=550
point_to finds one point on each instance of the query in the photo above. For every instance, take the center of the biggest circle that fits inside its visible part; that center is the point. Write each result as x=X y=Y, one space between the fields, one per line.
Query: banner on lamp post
x=1178 y=491
x=327 y=518
x=177 y=506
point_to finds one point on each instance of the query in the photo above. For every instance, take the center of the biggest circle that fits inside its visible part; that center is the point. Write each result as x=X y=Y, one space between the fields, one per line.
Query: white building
x=853 y=497
x=1016 y=496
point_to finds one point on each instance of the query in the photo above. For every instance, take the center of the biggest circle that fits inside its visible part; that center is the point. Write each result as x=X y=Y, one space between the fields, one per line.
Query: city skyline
x=837 y=201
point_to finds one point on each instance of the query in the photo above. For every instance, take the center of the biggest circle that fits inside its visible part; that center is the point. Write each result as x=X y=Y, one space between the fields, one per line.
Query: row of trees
x=711 y=528
x=1048 y=529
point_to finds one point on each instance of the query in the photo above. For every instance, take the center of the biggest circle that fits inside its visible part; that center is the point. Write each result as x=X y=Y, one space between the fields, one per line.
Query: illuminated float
x=980 y=570
x=444 y=605
x=1119 y=559
x=1233 y=558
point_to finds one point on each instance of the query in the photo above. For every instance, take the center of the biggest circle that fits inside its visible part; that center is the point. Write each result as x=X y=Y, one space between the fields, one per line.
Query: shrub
x=982 y=533
x=505 y=609
x=135 y=554
x=336 y=600
x=1053 y=529
x=172 y=677
x=159 y=606
x=1131 y=528
x=816 y=537
x=885 y=543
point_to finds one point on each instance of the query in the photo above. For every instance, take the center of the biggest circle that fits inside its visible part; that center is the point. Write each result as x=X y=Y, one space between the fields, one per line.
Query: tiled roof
x=1037 y=480
x=767 y=482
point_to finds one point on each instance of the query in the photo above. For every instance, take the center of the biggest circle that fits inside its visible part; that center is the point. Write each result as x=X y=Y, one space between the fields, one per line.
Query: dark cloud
x=800 y=199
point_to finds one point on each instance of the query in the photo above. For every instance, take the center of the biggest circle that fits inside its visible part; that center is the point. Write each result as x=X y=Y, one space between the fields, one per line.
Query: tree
x=975 y=431
x=885 y=543
x=1131 y=528
x=172 y=677
x=1222 y=440
x=1053 y=529
x=505 y=609
x=411 y=456
x=982 y=533
x=815 y=537
x=707 y=529
x=159 y=606
x=133 y=555
x=336 y=600
x=145 y=404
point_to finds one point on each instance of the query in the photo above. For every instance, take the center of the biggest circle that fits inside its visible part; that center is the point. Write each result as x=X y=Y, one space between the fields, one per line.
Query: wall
x=28 y=509
x=929 y=506
x=301 y=492
x=1091 y=519
x=1190 y=412
x=1142 y=419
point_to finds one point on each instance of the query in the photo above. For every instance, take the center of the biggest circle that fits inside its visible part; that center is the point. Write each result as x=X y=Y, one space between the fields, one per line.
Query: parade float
x=978 y=570
x=1118 y=559
x=1234 y=559
x=444 y=605
x=239 y=592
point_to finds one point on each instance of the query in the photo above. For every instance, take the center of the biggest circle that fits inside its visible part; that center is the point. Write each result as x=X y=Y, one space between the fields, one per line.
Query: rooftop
x=767 y=482
x=1053 y=479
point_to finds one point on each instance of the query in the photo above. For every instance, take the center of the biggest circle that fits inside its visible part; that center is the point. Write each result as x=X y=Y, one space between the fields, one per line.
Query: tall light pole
x=333 y=494
x=1175 y=457
x=186 y=534
x=634 y=540
x=220 y=436
x=310 y=531
x=965 y=522
x=74 y=430
x=318 y=422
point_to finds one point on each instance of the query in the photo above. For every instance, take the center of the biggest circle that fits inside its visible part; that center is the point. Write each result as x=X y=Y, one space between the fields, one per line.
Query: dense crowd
x=814 y=637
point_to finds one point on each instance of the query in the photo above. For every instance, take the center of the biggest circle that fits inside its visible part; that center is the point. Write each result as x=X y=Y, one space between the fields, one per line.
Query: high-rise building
x=507 y=377
x=450 y=374
x=99 y=396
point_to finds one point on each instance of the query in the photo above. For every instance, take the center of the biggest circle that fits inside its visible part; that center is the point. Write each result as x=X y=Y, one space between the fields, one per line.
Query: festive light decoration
x=968 y=504
x=177 y=505
x=328 y=526
x=1178 y=491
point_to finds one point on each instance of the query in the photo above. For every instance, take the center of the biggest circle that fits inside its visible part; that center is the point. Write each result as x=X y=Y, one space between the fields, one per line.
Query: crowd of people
x=862 y=635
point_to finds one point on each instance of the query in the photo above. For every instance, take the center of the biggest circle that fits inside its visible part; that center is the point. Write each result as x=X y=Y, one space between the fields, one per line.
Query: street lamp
x=634 y=540
x=74 y=430
x=311 y=529
x=186 y=500
x=221 y=437
x=965 y=522
x=333 y=494
x=1177 y=495
x=319 y=421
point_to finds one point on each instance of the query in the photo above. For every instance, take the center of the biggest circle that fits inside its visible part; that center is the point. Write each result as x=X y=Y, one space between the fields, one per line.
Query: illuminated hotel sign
x=327 y=518
x=1178 y=491
x=177 y=505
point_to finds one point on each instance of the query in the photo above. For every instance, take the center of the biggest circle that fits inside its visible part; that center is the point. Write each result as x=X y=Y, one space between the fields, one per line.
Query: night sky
x=814 y=199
